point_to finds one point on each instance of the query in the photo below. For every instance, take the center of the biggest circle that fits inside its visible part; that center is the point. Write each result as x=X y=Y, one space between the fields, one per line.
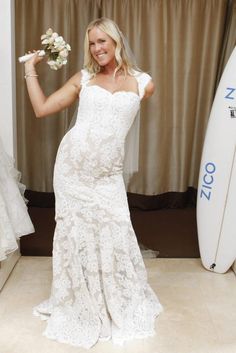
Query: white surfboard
x=216 y=200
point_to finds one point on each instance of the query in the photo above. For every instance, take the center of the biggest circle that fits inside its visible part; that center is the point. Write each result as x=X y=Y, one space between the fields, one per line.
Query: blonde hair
x=123 y=55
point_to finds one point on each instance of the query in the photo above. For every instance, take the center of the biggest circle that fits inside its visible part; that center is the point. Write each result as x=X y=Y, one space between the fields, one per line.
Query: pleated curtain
x=183 y=44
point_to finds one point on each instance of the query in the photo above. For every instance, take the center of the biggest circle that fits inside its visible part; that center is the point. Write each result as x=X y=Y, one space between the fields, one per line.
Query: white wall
x=7 y=77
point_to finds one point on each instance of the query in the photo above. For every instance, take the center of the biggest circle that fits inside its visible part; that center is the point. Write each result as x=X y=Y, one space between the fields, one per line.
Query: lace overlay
x=99 y=288
x=14 y=218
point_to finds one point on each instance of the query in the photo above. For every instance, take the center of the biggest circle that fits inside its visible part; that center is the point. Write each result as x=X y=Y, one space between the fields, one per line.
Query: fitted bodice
x=107 y=113
x=97 y=140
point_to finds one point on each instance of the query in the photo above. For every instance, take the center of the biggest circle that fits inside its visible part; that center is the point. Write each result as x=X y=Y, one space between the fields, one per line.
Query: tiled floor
x=199 y=310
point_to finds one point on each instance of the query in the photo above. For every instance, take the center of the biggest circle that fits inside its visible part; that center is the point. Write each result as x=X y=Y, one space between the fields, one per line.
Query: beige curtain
x=229 y=41
x=179 y=42
x=38 y=139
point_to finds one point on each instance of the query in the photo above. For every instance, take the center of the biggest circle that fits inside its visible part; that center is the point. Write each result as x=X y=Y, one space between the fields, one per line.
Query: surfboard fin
x=212 y=266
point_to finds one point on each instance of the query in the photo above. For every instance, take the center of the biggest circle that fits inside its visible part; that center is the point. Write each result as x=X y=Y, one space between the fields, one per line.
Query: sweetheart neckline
x=113 y=93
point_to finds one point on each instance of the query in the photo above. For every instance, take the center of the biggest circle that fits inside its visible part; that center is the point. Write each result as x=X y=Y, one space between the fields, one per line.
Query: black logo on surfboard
x=232 y=111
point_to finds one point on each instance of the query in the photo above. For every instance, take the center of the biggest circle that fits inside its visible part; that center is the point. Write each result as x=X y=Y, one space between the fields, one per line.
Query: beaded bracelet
x=29 y=75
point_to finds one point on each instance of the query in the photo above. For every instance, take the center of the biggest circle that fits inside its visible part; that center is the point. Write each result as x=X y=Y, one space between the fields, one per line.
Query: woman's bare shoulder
x=75 y=80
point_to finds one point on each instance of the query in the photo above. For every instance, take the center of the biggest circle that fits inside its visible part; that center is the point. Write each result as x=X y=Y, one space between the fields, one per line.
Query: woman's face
x=102 y=47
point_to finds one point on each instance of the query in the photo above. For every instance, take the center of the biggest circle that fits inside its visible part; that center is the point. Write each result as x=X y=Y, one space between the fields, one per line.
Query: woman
x=99 y=288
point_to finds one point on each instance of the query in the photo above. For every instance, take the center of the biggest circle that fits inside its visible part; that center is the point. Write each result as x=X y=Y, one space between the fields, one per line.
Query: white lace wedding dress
x=99 y=288
x=14 y=217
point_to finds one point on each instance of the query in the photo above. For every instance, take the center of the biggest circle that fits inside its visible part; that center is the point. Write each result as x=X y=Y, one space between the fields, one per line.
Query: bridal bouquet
x=54 y=47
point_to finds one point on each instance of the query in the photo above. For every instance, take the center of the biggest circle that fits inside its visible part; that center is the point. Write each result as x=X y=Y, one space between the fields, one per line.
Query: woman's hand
x=31 y=63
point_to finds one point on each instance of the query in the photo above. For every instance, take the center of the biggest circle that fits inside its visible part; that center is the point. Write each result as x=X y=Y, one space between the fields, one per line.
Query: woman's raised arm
x=57 y=101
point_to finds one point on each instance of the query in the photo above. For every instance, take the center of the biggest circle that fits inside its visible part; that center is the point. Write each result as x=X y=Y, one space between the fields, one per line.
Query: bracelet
x=30 y=72
x=29 y=75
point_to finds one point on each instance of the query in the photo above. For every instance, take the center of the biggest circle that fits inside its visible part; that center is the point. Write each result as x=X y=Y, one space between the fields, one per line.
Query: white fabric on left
x=14 y=218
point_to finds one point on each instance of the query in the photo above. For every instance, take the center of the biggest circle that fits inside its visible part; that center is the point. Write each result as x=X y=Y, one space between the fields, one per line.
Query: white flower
x=53 y=65
x=60 y=47
x=51 y=62
x=59 y=40
x=49 y=32
x=51 y=40
x=45 y=41
x=63 y=53
x=55 y=35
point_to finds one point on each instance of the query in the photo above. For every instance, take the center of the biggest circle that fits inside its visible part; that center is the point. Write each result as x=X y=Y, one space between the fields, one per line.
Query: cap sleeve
x=85 y=77
x=143 y=79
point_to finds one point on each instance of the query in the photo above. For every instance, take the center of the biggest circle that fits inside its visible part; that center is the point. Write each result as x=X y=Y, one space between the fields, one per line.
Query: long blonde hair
x=123 y=55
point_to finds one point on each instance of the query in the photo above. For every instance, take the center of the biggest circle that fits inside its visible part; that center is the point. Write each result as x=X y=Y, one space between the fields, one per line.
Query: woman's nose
x=97 y=47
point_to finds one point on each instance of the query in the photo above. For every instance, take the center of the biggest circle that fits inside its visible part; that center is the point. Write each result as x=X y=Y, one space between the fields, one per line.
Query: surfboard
x=216 y=198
